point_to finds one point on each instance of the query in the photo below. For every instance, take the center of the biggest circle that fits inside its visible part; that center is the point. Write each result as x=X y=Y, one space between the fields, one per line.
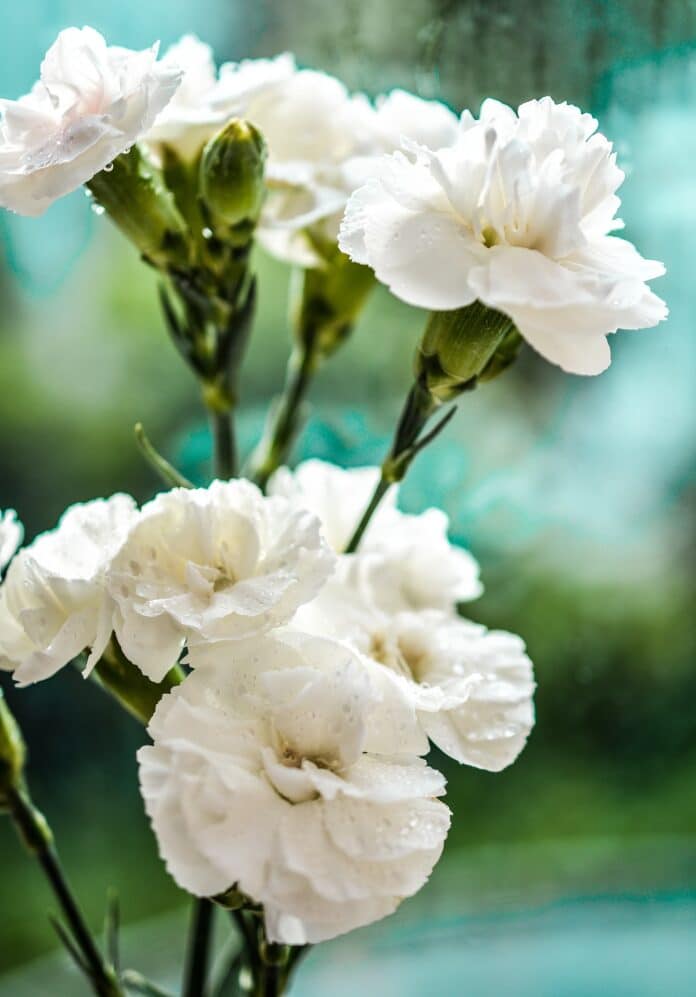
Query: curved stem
x=377 y=496
x=198 y=955
x=38 y=838
x=284 y=421
x=417 y=409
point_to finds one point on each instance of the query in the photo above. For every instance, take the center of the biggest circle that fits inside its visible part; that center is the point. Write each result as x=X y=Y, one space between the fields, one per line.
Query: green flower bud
x=12 y=752
x=136 y=200
x=231 y=174
x=459 y=347
x=325 y=301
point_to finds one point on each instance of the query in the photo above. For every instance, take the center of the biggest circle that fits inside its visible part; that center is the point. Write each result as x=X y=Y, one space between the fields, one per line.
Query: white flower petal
x=517 y=213
x=93 y=102
x=259 y=778
x=11 y=535
x=53 y=601
x=213 y=564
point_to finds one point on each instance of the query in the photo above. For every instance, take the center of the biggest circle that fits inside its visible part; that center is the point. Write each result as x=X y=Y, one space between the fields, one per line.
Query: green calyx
x=134 y=196
x=326 y=300
x=232 y=176
x=462 y=347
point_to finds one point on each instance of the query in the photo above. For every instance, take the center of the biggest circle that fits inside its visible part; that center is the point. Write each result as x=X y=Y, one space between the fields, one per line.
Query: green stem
x=284 y=421
x=36 y=834
x=129 y=686
x=380 y=491
x=224 y=444
x=418 y=408
x=199 y=949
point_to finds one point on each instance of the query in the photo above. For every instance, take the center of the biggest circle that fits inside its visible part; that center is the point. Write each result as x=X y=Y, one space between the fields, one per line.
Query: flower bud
x=12 y=752
x=231 y=177
x=137 y=201
x=458 y=347
x=325 y=301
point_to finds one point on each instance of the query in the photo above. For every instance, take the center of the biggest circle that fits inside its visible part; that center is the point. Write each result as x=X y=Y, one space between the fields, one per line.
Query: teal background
x=573 y=872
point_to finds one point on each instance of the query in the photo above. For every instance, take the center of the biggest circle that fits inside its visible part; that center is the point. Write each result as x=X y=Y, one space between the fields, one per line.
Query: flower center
x=397 y=655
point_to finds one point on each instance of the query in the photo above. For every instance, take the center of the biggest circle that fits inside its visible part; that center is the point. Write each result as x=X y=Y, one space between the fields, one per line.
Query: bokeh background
x=574 y=872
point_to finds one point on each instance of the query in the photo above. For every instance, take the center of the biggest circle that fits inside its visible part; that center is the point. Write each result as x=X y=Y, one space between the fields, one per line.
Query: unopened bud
x=12 y=752
x=231 y=177
x=459 y=347
x=326 y=301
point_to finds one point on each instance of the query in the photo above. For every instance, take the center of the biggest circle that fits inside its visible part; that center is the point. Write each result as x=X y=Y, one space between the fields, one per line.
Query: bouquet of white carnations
x=291 y=639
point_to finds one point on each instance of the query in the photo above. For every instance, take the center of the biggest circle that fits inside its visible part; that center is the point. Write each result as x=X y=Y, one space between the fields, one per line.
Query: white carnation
x=214 y=563
x=92 y=102
x=401 y=115
x=189 y=119
x=323 y=143
x=11 y=534
x=204 y=102
x=53 y=601
x=471 y=688
x=318 y=136
x=409 y=559
x=242 y=83
x=516 y=213
x=261 y=777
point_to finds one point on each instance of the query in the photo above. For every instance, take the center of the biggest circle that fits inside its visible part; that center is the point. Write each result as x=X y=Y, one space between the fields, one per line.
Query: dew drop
x=98 y=209
x=108 y=168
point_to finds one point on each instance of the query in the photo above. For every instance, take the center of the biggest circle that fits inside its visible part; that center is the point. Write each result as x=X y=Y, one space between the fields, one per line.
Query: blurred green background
x=574 y=872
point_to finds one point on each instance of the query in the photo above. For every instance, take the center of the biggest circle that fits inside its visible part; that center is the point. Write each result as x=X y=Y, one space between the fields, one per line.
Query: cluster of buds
x=194 y=221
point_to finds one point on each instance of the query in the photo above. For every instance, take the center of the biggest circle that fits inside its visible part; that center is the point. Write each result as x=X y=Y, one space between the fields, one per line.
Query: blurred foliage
x=576 y=496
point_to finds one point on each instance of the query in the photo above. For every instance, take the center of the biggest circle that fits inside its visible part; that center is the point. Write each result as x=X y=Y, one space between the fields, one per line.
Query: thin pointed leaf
x=112 y=925
x=70 y=946
x=136 y=983
x=435 y=431
x=166 y=471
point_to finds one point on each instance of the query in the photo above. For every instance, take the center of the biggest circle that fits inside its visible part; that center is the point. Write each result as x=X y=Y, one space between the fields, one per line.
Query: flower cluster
x=316 y=628
x=517 y=213
x=322 y=140
x=513 y=209
x=288 y=763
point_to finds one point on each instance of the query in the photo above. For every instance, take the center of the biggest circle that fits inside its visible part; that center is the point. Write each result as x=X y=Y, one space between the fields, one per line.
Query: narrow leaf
x=166 y=471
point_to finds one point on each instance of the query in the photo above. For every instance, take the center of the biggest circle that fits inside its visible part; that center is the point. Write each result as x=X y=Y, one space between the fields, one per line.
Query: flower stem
x=418 y=408
x=198 y=955
x=380 y=491
x=284 y=420
x=36 y=834
x=127 y=684
x=224 y=444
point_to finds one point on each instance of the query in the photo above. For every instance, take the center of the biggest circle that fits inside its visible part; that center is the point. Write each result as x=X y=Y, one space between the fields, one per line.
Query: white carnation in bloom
x=241 y=83
x=262 y=776
x=400 y=114
x=204 y=103
x=323 y=143
x=189 y=119
x=471 y=688
x=318 y=136
x=11 y=534
x=516 y=213
x=53 y=601
x=214 y=563
x=409 y=560
x=92 y=102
